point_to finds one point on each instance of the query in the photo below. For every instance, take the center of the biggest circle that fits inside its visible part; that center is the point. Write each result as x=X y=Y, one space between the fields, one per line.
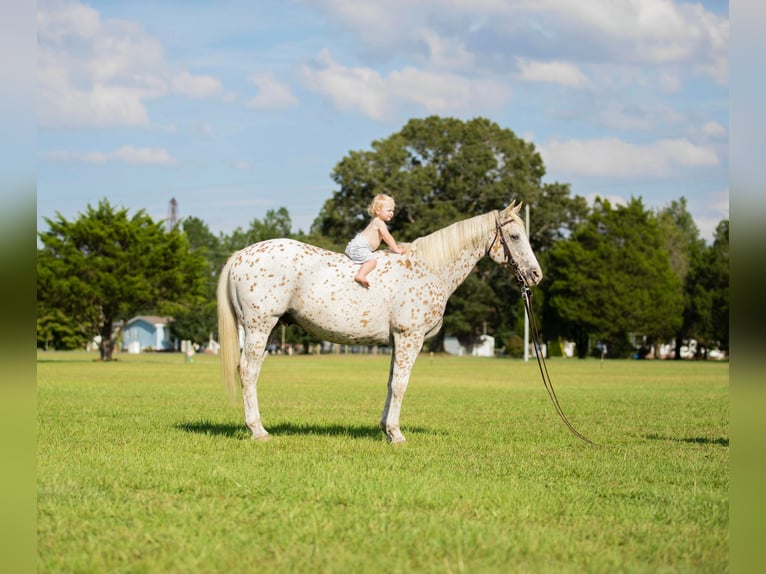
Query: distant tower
x=172 y=219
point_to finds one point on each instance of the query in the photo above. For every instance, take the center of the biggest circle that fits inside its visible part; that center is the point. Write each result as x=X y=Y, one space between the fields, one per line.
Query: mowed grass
x=145 y=466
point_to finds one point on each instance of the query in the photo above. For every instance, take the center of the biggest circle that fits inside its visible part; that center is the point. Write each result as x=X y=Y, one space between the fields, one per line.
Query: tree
x=685 y=251
x=57 y=331
x=612 y=279
x=441 y=170
x=719 y=282
x=199 y=322
x=106 y=267
x=275 y=224
x=708 y=293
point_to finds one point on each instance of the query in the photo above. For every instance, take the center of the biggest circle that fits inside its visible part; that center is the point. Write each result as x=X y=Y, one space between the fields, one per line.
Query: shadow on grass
x=287 y=429
x=721 y=441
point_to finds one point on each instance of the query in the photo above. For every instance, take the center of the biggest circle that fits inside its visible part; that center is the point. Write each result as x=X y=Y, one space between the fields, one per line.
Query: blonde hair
x=377 y=203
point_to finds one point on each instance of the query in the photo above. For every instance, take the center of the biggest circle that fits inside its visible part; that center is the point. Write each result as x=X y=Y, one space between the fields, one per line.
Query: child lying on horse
x=360 y=249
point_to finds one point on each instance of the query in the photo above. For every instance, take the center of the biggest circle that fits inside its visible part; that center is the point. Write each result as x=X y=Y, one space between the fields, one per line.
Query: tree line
x=618 y=277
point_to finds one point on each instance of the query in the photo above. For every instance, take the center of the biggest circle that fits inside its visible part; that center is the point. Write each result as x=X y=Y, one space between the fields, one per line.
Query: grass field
x=144 y=466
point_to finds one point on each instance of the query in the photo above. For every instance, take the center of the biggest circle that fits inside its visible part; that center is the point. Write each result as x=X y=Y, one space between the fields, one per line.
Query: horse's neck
x=460 y=247
x=453 y=275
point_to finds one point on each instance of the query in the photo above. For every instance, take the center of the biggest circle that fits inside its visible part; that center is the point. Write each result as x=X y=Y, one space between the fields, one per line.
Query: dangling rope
x=527 y=296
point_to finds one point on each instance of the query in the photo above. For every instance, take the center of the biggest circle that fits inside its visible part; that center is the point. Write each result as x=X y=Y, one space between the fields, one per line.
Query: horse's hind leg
x=250 y=363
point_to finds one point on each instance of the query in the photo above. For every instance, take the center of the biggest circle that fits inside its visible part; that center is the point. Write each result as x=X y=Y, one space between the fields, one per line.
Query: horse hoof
x=396 y=439
x=262 y=437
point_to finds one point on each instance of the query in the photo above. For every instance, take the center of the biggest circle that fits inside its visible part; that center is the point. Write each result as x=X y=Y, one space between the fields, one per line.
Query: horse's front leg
x=406 y=349
x=250 y=363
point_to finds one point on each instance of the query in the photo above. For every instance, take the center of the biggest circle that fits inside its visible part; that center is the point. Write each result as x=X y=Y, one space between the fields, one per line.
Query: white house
x=485 y=347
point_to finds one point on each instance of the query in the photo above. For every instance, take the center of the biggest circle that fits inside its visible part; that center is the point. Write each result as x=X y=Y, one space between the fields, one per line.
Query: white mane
x=443 y=246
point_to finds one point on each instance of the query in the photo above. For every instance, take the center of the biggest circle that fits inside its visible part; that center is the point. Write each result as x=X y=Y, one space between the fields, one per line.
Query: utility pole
x=526 y=315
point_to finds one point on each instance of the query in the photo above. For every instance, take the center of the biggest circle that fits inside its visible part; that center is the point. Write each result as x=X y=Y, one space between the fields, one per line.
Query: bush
x=514 y=346
x=555 y=348
x=620 y=348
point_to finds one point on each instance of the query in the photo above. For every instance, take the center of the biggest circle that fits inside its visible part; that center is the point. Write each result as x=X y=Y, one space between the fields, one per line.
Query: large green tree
x=719 y=266
x=612 y=279
x=106 y=266
x=198 y=323
x=442 y=170
x=686 y=252
x=708 y=293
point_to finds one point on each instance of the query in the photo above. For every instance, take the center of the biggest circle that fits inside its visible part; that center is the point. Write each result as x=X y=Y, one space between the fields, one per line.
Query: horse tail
x=228 y=333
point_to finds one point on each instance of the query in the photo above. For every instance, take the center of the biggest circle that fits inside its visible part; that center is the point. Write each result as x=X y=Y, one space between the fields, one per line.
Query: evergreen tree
x=612 y=280
x=106 y=267
x=686 y=250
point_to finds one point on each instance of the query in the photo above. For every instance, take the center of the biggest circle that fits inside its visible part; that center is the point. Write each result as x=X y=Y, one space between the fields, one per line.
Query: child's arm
x=386 y=236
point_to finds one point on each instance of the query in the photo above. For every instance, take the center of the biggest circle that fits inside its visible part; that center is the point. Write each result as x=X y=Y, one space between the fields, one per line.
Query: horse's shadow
x=721 y=441
x=238 y=431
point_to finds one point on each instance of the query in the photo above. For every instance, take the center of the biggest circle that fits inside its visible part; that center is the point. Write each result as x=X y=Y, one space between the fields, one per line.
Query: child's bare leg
x=364 y=269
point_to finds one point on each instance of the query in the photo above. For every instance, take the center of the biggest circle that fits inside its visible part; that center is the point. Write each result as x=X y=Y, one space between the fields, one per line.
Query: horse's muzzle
x=532 y=277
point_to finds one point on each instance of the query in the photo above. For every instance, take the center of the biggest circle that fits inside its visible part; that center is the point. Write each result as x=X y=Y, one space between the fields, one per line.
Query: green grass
x=144 y=466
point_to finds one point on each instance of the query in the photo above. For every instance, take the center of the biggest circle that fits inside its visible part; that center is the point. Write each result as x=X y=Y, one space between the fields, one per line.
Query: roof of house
x=152 y=319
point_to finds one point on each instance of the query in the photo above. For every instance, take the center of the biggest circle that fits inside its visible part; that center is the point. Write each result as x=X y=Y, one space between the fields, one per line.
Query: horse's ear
x=514 y=207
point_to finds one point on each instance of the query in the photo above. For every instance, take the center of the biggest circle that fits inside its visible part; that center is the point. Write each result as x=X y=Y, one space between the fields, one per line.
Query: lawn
x=145 y=466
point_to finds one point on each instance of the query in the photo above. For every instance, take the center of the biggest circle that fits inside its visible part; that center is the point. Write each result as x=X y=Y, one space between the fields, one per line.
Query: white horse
x=315 y=288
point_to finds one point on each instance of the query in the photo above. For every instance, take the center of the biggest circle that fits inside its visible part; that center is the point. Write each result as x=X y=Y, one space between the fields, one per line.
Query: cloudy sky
x=237 y=107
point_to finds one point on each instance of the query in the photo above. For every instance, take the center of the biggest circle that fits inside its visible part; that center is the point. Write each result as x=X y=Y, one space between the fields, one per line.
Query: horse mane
x=443 y=246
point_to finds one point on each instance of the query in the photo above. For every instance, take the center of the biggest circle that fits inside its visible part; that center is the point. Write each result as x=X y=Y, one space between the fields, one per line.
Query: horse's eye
x=515 y=236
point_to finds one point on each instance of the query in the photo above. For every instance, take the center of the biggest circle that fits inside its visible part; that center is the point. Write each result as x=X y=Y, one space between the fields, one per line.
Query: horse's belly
x=342 y=312
x=345 y=322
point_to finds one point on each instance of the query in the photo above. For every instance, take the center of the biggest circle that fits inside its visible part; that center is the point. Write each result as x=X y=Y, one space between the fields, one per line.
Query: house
x=484 y=348
x=147 y=333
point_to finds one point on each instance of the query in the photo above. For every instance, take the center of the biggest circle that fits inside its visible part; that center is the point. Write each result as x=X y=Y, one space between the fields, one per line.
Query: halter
x=509 y=262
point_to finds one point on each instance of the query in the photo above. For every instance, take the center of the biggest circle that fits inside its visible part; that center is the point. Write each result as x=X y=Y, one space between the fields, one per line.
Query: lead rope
x=527 y=296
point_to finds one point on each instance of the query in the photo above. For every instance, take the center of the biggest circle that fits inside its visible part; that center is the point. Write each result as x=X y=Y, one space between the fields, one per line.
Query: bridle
x=509 y=262
x=526 y=294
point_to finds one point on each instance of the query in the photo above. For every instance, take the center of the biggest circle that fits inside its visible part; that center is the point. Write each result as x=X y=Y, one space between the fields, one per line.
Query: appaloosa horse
x=315 y=288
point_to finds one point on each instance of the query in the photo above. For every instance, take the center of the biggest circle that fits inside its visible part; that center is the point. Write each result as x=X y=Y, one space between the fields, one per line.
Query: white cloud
x=554 y=72
x=125 y=154
x=95 y=72
x=658 y=32
x=713 y=129
x=271 y=93
x=670 y=82
x=196 y=86
x=625 y=116
x=615 y=157
x=349 y=88
x=378 y=96
x=447 y=53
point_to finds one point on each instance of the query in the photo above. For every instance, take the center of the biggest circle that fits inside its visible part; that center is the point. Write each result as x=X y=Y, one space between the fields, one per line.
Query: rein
x=526 y=294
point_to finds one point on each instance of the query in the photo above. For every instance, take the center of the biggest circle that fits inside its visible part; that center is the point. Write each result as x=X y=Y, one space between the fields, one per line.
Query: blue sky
x=235 y=107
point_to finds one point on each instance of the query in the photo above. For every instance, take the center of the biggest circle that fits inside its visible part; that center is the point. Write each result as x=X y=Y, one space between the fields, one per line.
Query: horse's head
x=510 y=246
